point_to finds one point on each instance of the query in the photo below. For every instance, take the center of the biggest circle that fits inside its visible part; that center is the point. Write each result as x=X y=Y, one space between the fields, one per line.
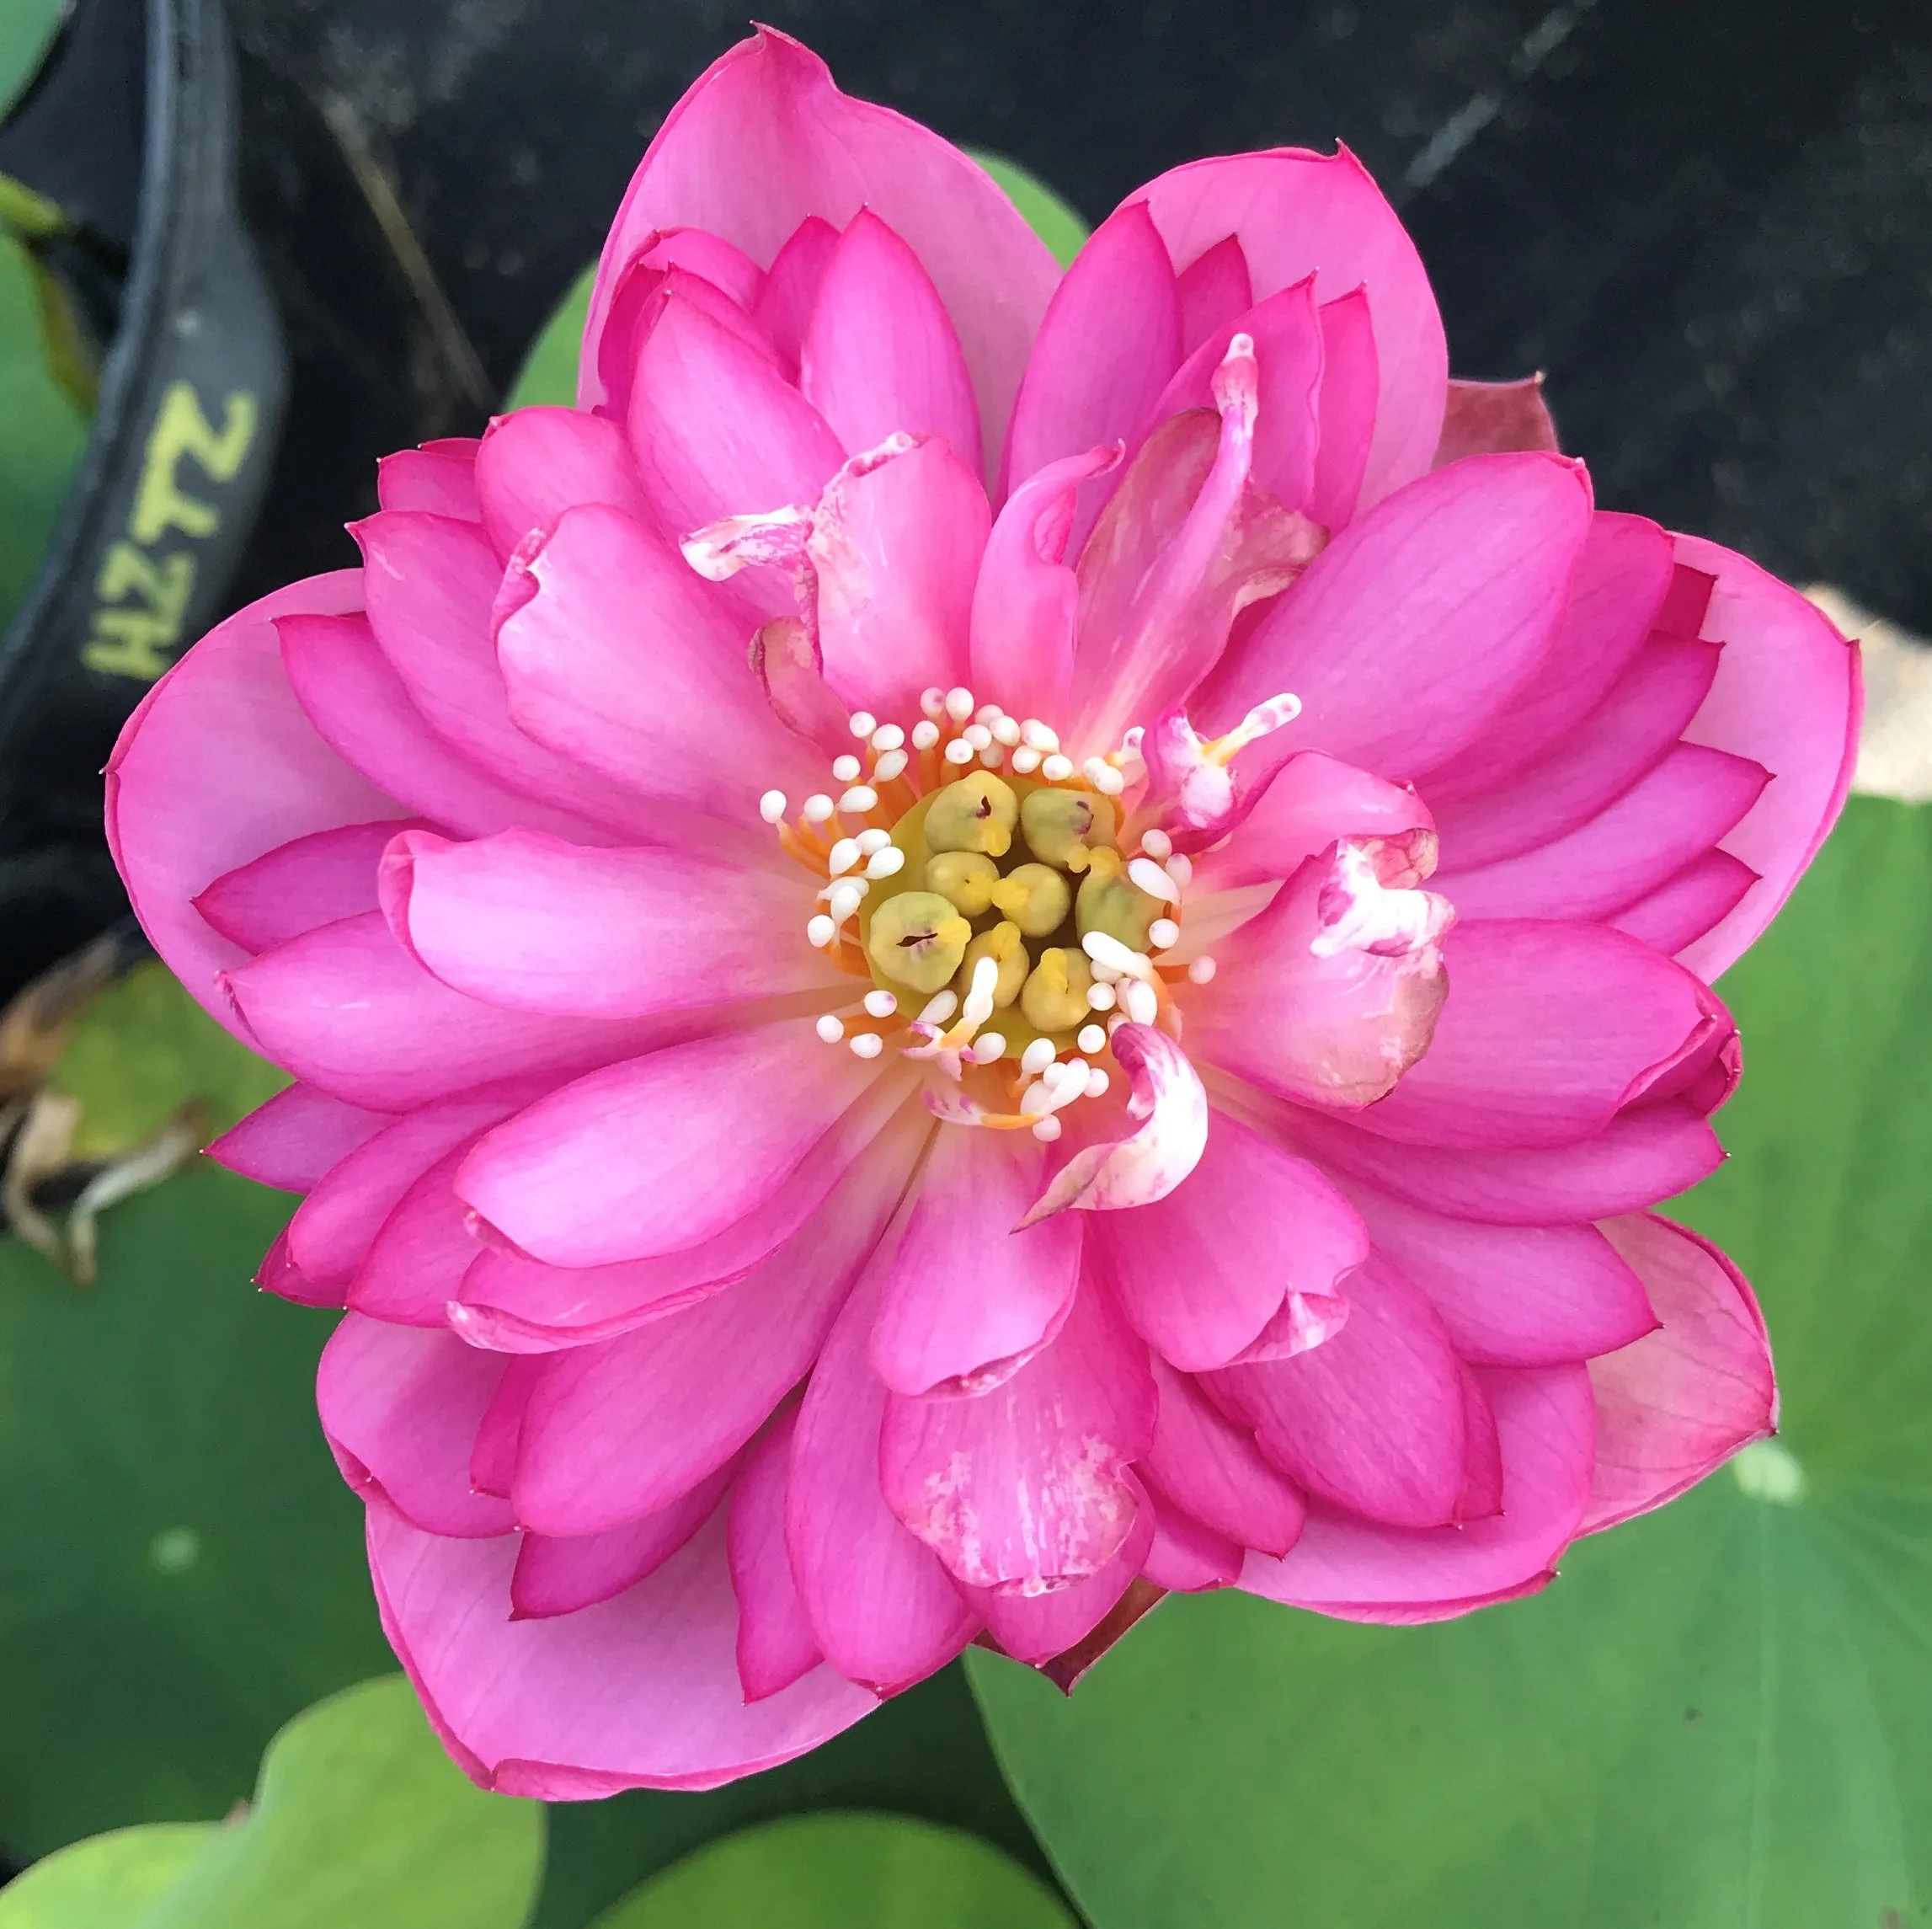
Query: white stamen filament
x=1109 y=782
x=1090 y=1038
x=888 y=737
x=890 y=766
x=1025 y=761
x=932 y=703
x=1202 y=970
x=842 y=857
x=979 y=1005
x=978 y=735
x=1097 y=1081
x=771 y=807
x=1152 y=880
x=867 y=1044
x=959 y=751
x=1160 y=935
x=958 y=704
x=820 y=931
x=831 y=1028
x=819 y=808
x=873 y=840
x=1111 y=954
x=846 y=769
x=864 y=722
x=1005 y=729
x=1157 y=845
x=1057 y=769
x=881 y=1004
x=1037 y=736
x=1100 y=997
x=1141 y=1004
x=1047 y=1129
x=939 y=1007
x=925 y=735
x=884 y=863
x=1037 y=1057
x=860 y=798
x=1180 y=868
x=843 y=898
x=987 y=1047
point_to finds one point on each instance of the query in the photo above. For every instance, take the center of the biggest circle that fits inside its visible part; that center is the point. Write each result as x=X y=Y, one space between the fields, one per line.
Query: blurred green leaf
x=27 y=31
x=182 y=1568
x=1722 y=1714
x=1055 y=222
x=549 y=371
x=142 y=1048
x=842 y=1872
x=106 y=1882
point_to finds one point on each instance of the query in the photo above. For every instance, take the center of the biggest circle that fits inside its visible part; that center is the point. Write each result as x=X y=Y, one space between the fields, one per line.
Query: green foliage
x=1055 y=222
x=359 y=1819
x=27 y=31
x=1722 y=1714
x=842 y=1872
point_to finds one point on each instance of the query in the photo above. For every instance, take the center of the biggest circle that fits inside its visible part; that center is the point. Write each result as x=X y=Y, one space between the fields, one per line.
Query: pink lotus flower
x=978 y=945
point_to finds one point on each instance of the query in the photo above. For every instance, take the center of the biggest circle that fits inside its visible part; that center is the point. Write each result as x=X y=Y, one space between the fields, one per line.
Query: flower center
x=1007 y=910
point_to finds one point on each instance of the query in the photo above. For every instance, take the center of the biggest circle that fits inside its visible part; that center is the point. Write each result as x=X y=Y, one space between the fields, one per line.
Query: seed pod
x=1003 y=946
x=917 y=939
x=964 y=879
x=1066 y=827
x=1054 y=999
x=1036 y=897
x=976 y=814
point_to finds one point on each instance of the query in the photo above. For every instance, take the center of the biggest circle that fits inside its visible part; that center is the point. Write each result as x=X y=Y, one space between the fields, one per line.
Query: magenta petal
x=783 y=309
x=1309 y=802
x=525 y=1706
x=400 y=1409
x=525 y=922
x=558 y=1576
x=1532 y=1296
x=1547 y=1030
x=895 y=546
x=1213 y=1469
x=317 y=880
x=1357 y=1571
x=881 y=1606
x=1679 y=912
x=360 y=708
x=763 y=140
x=1345 y=409
x=218 y=765
x=537 y=462
x=1202 y=1272
x=1110 y=340
x=624 y=1165
x=618 y=1431
x=1213 y=289
x=293 y=1140
x=1373 y=1420
x=1035 y=1627
x=1682 y=1399
x=1787 y=696
x=775 y=1644
x=439 y=477
x=968 y=1299
x=408 y=1037
x=879 y=356
x=1296 y=214
x=415 y=1265
x=493 y=1458
x=1024 y=1487
x=1491 y=418
x=1184 y=1557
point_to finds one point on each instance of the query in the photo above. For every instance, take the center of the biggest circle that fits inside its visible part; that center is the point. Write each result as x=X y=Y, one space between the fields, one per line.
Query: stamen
x=939 y=1007
x=863 y=723
x=1047 y=1129
x=1202 y=970
x=959 y=751
x=843 y=855
x=1057 y=769
x=1100 y=998
x=846 y=769
x=1180 y=868
x=1026 y=761
x=881 y=1004
x=885 y=862
x=1097 y=1081
x=932 y=703
x=1152 y=880
x=925 y=735
x=1092 y=1038
x=772 y=806
x=1263 y=720
x=993 y=755
x=958 y=704
x=1005 y=729
x=873 y=840
x=1038 y=1055
x=1109 y=782
x=1115 y=956
x=979 y=1006
x=889 y=766
x=860 y=798
x=1157 y=844
x=867 y=1044
x=1142 y=1004
x=831 y=1028
x=819 y=808
x=820 y=932
x=978 y=735
x=888 y=737
x=843 y=898
x=987 y=1047
x=1161 y=934
x=1037 y=736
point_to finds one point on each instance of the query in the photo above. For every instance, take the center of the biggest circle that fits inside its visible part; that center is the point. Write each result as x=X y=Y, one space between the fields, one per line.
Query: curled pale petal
x=1213 y=1469
x=294 y=1140
x=1682 y=1399
x=1297 y=213
x=786 y=661
x=525 y=1707
x=537 y=462
x=217 y=765
x=763 y=140
x=1489 y=417
x=1358 y=1571
x=315 y=880
x=775 y=1644
x=439 y=477
x=1157 y=1155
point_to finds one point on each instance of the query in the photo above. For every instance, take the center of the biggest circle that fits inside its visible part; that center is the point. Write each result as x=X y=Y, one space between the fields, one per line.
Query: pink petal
x=317 y=880
x=1787 y=696
x=716 y=429
x=1615 y=597
x=1359 y=1572
x=1620 y=742
x=1186 y=1558
x=729 y=270
x=626 y=662
x=1152 y=1159
x=360 y=708
x=1345 y=409
x=879 y=357
x=216 y=765
x=895 y=545
x=295 y=1139
x=333 y=1227
x=415 y=1265
x=1530 y=1296
x=1548 y=1031
x=1336 y=1025
x=279 y=1274
x=643 y=290
x=1309 y=802
x=345 y=1007
x=400 y=1409
x=1668 y=820
x=881 y=1606
x=1026 y=600
x=527 y=1707
x=1682 y=909
x=1213 y=289
x=529 y=923
x=775 y=1644
x=1680 y=1400
x=439 y=477
x=493 y=1458
x=785 y=302
x=516 y=1304
x=1296 y=214
x=765 y=139
x=430 y=583
x=1489 y=418
x=1201 y=1272
x=1481 y=1494
x=559 y=1576
x=1413 y=630
x=1207 y=1465
x=1024 y=1488
x=1110 y=340
x=538 y=463
x=625 y=1165
x=1373 y=1421
x=618 y=1431
x=969 y=1299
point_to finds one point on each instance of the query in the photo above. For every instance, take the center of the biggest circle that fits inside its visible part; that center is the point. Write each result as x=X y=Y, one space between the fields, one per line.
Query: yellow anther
x=1065 y=827
x=1054 y=999
x=1003 y=946
x=1036 y=897
x=976 y=814
x=917 y=939
x=964 y=879
x=1111 y=902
